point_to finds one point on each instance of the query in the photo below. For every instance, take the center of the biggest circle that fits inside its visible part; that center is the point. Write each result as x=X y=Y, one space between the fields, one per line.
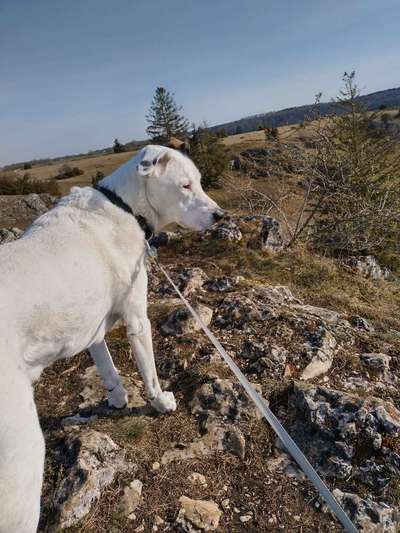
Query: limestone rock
x=321 y=350
x=368 y=267
x=378 y=364
x=35 y=202
x=271 y=236
x=181 y=322
x=228 y=231
x=236 y=310
x=333 y=428
x=197 y=515
x=188 y=281
x=218 y=438
x=93 y=391
x=9 y=235
x=224 y=400
x=360 y=323
x=93 y=460
x=223 y=284
x=132 y=497
x=264 y=357
x=367 y=515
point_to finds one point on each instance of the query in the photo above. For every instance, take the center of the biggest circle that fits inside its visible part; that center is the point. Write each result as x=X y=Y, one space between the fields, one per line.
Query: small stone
x=360 y=323
x=132 y=497
x=245 y=518
x=195 y=478
x=200 y=514
x=155 y=466
x=158 y=520
x=139 y=529
x=225 y=503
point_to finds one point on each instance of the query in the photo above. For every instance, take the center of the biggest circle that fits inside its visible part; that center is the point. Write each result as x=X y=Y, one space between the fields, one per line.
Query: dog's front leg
x=116 y=394
x=139 y=334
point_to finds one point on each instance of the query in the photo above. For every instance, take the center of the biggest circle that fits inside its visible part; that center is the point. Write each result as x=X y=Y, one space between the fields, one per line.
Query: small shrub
x=208 y=154
x=65 y=172
x=118 y=147
x=27 y=166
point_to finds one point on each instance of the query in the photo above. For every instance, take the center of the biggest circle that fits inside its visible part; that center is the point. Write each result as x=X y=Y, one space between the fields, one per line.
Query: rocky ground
x=319 y=339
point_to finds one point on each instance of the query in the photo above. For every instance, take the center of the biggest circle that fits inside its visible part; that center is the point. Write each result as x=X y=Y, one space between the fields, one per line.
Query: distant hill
x=389 y=98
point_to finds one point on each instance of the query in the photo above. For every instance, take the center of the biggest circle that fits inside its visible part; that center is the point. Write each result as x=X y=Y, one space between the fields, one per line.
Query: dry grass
x=90 y=165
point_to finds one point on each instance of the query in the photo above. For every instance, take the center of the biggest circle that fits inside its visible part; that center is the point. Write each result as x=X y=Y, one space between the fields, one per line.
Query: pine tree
x=164 y=117
x=118 y=147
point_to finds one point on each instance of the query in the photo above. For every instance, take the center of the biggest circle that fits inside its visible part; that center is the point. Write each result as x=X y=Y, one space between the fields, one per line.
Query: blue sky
x=76 y=74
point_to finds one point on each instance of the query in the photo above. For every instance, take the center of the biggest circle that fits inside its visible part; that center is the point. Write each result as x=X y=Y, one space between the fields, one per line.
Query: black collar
x=117 y=200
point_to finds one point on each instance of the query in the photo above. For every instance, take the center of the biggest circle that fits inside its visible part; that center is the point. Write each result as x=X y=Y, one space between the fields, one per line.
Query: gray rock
x=223 y=284
x=321 y=350
x=9 y=235
x=275 y=295
x=195 y=515
x=271 y=236
x=264 y=357
x=331 y=426
x=228 y=231
x=217 y=438
x=236 y=310
x=368 y=267
x=224 y=400
x=180 y=322
x=360 y=323
x=188 y=281
x=34 y=202
x=93 y=460
x=378 y=364
x=93 y=391
x=367 y=515
x=131 y=497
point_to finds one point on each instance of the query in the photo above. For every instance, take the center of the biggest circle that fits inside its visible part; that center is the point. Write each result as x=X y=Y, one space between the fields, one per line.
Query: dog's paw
x=117 y=397
x=164 y=402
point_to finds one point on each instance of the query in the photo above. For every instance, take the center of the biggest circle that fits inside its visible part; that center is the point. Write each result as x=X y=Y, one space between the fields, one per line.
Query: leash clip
x=151 y=251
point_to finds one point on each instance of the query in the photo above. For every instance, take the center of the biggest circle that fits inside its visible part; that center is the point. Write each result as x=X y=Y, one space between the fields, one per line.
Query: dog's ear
x=154 y=167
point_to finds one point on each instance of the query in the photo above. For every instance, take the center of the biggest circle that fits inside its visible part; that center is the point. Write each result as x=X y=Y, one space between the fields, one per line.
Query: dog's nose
x=218 y=215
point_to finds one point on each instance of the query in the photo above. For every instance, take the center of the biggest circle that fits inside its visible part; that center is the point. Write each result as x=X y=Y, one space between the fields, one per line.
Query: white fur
x=75 y=271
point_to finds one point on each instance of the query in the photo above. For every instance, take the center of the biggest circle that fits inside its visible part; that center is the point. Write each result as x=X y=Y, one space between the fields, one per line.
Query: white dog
x=76 y=271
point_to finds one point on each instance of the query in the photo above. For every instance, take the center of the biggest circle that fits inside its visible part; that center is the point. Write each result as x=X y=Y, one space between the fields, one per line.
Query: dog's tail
x=21 y=446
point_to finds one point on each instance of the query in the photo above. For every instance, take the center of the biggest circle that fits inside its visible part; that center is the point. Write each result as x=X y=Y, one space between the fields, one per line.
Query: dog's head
x=173 y=189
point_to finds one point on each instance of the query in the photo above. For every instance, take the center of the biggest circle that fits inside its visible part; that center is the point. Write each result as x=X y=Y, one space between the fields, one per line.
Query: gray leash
x=262 y=406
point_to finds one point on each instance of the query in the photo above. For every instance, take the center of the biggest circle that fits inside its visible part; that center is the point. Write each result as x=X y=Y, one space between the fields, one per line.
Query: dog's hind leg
x=116 y=394
x=21 y=454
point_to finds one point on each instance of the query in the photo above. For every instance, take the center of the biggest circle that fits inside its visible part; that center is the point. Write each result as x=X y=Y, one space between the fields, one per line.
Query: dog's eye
x=187 y=186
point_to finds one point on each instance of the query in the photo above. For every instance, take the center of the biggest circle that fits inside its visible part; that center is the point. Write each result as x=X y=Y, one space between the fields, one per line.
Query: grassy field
x=106 y=164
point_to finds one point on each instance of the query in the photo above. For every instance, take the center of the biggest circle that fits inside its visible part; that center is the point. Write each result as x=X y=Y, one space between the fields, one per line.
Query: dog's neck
x=131 y=188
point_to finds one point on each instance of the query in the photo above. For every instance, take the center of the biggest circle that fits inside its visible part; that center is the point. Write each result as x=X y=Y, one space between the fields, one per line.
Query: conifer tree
x=164 y=117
